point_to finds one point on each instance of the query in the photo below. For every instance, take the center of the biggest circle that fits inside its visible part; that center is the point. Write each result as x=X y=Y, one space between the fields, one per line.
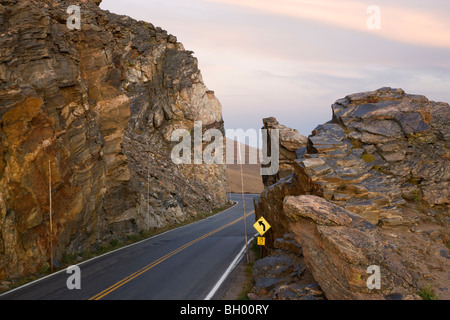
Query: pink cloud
x=406 y=24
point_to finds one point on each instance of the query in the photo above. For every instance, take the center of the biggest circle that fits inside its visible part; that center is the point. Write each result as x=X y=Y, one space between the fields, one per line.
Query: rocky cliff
x=92 y=109
x=289 y=142
x=370 y=187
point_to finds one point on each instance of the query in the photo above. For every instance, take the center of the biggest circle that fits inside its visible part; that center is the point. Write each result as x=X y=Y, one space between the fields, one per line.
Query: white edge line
x=110 y=252
x=227 y=272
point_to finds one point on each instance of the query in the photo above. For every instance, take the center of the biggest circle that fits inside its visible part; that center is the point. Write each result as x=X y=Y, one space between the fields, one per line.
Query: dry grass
x=251 y=174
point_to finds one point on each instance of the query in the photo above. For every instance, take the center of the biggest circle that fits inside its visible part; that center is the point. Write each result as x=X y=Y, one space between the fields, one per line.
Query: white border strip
x=227 y=272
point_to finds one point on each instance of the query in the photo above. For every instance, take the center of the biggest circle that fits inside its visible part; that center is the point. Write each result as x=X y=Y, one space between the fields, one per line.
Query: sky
x=292 y=59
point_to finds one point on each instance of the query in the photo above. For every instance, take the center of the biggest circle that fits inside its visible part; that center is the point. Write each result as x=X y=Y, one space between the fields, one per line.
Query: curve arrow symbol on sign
x=262 y=225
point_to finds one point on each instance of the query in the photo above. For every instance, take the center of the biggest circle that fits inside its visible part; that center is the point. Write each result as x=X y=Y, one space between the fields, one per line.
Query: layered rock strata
x=290 y=141
x=94 y=109
x=339 y=248
x=385 y=157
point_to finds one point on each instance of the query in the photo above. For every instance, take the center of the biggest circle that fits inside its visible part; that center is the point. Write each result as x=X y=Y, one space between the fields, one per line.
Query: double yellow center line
x=155 y=263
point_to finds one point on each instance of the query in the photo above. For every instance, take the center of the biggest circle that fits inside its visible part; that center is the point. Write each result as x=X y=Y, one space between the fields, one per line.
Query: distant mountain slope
x=251 y=174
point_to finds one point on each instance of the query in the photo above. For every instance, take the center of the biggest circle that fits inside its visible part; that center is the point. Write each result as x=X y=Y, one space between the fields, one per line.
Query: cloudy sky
x=292 y=59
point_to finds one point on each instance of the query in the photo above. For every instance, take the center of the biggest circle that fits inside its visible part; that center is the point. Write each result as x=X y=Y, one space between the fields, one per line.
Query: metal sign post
x=50 y=213
x=243 y=201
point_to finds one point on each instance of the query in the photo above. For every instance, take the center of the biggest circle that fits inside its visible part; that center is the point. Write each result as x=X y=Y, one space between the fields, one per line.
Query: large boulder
x=339 y=248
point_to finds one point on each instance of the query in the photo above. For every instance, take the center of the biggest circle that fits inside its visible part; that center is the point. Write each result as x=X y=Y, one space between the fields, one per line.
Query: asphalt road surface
x=182 y=264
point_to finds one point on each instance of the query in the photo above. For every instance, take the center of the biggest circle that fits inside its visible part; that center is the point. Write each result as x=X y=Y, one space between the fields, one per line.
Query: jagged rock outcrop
x=99 y=106
x=385 y=157
x=290 y=141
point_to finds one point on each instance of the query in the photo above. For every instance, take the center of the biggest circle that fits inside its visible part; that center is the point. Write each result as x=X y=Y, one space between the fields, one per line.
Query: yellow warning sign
x=262 y=226
x=261 y=241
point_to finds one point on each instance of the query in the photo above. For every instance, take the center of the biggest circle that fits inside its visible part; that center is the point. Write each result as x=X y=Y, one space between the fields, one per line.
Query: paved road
x=182 y=264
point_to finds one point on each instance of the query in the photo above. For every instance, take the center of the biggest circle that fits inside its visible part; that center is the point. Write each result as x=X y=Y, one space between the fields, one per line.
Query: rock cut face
x=381 y=149
x=371 y=187
x=94 y=109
